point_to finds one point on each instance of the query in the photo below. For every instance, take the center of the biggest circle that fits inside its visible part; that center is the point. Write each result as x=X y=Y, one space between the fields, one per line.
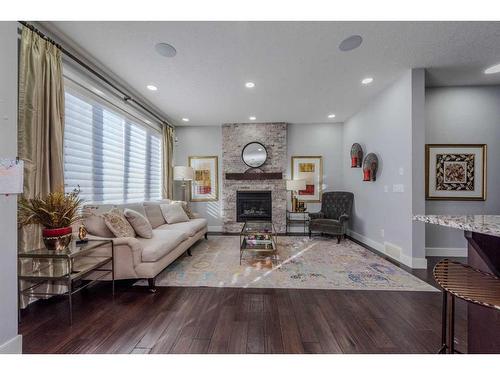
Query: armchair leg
x=206 y=235
x=189 y=252
x=338 y=238
x=309 y=233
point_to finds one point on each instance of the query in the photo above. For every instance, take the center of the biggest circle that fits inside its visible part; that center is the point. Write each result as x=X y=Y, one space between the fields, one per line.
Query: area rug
x=318 y=263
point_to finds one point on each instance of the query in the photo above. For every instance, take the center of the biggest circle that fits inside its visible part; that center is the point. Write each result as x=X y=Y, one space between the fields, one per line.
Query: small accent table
x=259 y=237
x=67 y=266
x=297 y=217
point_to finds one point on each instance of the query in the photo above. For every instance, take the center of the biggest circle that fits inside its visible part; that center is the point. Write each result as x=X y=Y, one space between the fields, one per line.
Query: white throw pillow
x=140 y=224
x=173 y=213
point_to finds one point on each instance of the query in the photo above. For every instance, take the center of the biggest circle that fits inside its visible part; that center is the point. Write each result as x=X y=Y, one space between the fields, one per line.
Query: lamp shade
x=182 y=173
x=295 y=185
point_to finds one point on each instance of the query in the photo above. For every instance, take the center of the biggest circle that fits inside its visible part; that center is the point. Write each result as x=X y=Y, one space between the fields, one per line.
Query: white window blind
x=111 y=156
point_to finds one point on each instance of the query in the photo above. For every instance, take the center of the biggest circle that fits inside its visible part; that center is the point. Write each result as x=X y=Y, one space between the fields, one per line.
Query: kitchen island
x=482 y=233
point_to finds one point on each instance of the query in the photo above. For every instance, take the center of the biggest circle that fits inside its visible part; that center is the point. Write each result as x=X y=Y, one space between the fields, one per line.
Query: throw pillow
x=140 y=224
x=118 y=224
x=186 y=209
x=173 y=213
x=96 y=226
x=153 y=213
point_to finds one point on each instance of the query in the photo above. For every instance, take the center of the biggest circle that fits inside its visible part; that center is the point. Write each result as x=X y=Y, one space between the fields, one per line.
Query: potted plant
x=55 y=212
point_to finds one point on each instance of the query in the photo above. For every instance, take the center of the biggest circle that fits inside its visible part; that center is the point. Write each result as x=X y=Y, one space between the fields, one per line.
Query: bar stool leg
x=451 y=324
x=443 y=323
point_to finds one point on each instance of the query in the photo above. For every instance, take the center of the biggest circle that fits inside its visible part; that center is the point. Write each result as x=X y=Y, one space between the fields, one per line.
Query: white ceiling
x=299 y=72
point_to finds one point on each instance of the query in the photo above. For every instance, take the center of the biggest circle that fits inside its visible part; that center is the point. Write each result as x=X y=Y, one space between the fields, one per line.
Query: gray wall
x=318 y=139
x=9 y=341
x=464 y=115
x=386 y=128
x=200 y=141
x=302 y=139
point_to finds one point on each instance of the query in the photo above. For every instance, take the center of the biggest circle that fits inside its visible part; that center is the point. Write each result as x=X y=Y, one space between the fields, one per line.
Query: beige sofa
x=143 y=258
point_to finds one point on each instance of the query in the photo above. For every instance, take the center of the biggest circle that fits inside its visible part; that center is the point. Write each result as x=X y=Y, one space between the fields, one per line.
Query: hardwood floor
x=230 y=320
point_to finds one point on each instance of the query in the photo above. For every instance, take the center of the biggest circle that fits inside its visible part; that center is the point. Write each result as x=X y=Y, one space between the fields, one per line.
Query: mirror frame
x=243 y=151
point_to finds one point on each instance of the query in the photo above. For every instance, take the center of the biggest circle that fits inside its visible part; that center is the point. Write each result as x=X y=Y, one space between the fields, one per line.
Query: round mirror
x=254 y=154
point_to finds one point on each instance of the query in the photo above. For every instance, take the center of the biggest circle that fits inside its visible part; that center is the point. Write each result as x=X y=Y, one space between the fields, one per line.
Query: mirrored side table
x=297 y=217
x=66 y=269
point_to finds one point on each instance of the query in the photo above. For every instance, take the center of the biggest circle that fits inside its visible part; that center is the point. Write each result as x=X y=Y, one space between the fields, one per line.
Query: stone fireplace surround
x=234 y=137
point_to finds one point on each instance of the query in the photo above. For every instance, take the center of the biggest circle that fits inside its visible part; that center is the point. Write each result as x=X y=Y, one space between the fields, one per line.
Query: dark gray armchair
x=334 y=216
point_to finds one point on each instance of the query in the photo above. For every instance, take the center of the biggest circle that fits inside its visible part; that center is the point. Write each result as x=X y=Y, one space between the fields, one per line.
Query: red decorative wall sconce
x=370 y=166
x=356 y=155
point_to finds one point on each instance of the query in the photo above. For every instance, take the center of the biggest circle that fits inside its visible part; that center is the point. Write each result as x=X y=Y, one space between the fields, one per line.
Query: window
x=113 y=157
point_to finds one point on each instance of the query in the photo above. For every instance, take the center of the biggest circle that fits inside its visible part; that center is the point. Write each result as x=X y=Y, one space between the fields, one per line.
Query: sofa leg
x=206 y=235
x=188 y=251
x=338 y=238
x=151 y=284
x=310 y=233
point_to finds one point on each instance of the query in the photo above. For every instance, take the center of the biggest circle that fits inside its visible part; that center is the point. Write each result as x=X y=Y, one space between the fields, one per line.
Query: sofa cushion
x=162 y=243
x=190 y=227
x=137 y=207
x=174 y=213
x=153 y=213
x=118 y=224
x=140 y=224
x=186 y=209
x=96 y=226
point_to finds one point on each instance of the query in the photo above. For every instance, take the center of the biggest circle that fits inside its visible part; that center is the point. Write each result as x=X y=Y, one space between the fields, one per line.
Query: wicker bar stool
x=467 y=283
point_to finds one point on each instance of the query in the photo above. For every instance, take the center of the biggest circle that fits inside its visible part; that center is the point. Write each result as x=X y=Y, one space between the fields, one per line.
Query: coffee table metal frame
x=267 y=245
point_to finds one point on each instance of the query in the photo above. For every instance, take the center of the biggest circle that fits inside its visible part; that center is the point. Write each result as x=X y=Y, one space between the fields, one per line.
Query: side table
x=296 y=217
x=66 y=266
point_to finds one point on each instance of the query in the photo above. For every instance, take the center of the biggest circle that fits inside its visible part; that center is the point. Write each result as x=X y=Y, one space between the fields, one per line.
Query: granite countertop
x=486 y=224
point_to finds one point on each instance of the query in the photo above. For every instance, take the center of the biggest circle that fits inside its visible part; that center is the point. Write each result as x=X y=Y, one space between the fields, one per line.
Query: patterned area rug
x=318 y=263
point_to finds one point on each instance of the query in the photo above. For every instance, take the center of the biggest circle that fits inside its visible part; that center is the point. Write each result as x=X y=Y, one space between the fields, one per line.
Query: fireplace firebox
x=253 y=205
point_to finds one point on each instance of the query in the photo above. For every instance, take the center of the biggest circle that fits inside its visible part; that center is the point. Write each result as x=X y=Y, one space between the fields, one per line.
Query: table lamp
x=294 y=186
x=182 y=173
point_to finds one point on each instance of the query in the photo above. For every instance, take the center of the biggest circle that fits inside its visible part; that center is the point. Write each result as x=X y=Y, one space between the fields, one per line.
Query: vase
x=57 y=239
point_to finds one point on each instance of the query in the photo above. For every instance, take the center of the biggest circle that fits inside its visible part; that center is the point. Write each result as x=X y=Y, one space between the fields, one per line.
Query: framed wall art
x=205 y=184
x=455 y=172
x=309 y=168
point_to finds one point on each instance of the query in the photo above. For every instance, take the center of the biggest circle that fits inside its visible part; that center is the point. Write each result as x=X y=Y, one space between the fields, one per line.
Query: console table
x=67 y=267
x=482 y=233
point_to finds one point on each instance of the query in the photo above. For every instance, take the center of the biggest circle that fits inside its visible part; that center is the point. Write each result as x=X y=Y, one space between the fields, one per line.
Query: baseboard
x=416 y=263
x=13 y=346
x=446 y=252
x=367 y=241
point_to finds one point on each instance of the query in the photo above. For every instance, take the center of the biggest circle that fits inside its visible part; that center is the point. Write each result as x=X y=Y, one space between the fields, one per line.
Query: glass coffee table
x=259 y=237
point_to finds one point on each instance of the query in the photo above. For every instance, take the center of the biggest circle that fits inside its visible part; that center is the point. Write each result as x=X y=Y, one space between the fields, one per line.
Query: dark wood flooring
x=230 y=320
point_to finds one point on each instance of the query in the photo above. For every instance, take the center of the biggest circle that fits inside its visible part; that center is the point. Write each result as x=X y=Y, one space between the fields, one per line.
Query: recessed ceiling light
x=152 y=87
x=350 y=43
x=249 y=85
x=367 y=80
x=493 y=69
x=252 y=118
x=165 y=49
x=185 y=119
x=331 y=115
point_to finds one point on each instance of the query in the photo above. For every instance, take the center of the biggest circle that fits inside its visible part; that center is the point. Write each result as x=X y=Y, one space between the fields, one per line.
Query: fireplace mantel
x=255 y=176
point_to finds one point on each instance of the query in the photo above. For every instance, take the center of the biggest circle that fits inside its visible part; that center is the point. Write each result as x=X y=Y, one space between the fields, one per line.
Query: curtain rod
x=126 y=97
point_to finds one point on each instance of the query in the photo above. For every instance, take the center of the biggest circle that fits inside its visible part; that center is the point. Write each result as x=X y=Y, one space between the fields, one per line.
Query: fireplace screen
x=253 y=205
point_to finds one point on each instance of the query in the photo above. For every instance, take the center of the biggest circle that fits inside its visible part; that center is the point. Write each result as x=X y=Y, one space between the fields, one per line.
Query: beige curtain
x=41 y=124
x=168 y=152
